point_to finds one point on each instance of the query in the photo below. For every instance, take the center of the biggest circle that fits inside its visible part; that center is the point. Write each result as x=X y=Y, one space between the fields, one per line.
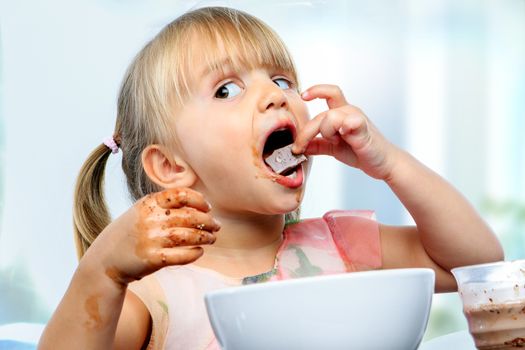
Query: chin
x=289 y=203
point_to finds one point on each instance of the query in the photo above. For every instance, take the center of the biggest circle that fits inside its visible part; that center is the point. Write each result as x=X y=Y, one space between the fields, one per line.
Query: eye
x=282 y=83
x=228 y=90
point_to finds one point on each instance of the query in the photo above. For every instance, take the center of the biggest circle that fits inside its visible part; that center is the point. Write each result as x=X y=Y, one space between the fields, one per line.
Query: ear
x=166 y=169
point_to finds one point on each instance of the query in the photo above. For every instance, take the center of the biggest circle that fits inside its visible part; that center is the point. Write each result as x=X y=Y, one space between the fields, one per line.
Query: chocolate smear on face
x=299 y=196
x=256 y=161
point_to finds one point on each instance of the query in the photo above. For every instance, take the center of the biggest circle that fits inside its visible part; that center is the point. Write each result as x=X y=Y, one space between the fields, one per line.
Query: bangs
x=213 y=35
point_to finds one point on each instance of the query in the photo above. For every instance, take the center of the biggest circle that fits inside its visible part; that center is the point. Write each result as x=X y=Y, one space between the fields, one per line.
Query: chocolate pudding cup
x=493 y=297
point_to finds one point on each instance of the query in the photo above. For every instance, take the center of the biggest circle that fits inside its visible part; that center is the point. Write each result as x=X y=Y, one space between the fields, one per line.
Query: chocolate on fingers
x=190 y=218
x=181 y=197
x=182 y=236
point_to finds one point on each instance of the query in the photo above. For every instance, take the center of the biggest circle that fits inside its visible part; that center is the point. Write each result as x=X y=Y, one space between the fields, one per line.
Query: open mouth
x=277 y=139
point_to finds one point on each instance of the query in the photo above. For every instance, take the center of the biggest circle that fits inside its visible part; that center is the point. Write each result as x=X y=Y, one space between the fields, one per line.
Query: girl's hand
x=346 y=134
x=161 y=229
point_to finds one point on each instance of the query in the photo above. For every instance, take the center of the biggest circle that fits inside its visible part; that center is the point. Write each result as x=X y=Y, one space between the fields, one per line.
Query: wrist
x=96 y=276
x=400 y=165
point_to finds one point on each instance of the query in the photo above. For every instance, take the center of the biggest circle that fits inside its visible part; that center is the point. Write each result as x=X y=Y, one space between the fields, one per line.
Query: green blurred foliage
x=446 y=316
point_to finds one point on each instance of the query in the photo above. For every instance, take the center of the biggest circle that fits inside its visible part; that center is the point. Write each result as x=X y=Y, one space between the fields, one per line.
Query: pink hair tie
x=111 y=144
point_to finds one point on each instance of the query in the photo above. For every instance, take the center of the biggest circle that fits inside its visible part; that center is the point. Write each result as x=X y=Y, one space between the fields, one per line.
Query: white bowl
x=385 y=309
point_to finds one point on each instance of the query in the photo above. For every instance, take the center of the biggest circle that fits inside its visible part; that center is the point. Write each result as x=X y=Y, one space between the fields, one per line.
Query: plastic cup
x=493 y=297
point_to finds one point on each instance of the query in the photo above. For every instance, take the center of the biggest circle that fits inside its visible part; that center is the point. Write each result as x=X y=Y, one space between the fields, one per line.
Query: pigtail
x=90 y=212
x=155 y=85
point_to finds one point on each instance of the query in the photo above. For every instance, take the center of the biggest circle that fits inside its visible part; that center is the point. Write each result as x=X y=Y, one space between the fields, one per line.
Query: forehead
x=227 y=46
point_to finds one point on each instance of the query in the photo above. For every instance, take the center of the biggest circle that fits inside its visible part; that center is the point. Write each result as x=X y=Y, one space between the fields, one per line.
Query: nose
x=272 y=97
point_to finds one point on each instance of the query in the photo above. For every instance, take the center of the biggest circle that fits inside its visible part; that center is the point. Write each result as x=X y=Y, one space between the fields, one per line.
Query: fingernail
x=305 y=94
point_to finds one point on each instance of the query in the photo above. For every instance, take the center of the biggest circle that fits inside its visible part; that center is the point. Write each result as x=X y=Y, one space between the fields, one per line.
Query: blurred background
x=443 y=79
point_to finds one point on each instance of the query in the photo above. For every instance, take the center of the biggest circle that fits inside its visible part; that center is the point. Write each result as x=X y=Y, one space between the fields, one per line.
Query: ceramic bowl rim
x=244 y=289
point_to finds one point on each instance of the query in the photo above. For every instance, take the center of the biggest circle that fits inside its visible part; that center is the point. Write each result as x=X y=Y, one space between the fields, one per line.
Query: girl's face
x=232 y=121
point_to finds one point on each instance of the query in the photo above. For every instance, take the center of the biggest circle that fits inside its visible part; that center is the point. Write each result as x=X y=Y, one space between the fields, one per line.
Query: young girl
x=200 y=108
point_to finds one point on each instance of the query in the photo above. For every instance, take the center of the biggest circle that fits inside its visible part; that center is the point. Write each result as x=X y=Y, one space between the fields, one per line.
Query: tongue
x=289 y=171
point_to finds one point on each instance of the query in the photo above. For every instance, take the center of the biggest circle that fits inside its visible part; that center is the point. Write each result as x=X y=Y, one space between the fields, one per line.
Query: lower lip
x=289 y=182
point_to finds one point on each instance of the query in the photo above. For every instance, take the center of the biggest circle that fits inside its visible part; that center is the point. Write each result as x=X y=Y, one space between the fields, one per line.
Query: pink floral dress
x=339 y=242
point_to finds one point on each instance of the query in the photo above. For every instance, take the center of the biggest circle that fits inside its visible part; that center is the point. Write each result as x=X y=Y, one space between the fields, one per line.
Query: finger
x=331 y=93
x=355 y=122
x=183 y=236
x=182 y=197
x=191 y=218
x=355 y=131
x=320 y=146
x=307 y=133
x=331 y=125
x=179 y=256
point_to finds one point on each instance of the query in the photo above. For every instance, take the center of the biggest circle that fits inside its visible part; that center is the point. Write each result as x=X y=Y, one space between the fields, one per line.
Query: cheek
x=300 y=111
x=303 y=118
x=307 y=167
x=216 y=148
x=200 y=136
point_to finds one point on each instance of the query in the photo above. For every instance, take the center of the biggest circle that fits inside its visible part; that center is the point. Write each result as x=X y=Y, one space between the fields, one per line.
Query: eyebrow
x=227 y=64
x=216 y=66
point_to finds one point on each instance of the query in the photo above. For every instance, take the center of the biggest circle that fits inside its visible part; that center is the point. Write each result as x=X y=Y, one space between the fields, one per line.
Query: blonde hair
x=158 y=80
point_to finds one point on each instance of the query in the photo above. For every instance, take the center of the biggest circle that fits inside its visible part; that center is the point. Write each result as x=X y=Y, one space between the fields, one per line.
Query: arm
x=97 y=312
x=401 y=247
x=134 y=326
x=447 y=225
x=449 y=231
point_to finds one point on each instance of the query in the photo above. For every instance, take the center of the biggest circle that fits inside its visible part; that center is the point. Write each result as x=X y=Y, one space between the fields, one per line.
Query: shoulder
x=134 y=325
x=339 y=224
x=346 y=221
x=147 y=297
x=357 y=235
x=148 y=288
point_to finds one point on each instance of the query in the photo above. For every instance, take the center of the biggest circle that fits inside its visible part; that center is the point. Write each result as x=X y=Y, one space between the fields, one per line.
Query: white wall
x=62 y=65
x=430 y=74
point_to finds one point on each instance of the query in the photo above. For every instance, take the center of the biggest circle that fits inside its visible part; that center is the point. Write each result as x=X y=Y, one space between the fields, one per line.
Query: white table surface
x=461 y=340
x=30 y=333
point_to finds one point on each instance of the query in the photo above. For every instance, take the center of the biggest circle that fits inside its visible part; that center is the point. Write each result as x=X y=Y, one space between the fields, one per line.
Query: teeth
x=292 y=175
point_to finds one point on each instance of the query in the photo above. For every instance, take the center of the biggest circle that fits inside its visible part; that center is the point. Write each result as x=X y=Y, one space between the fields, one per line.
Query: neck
x=244 y=245
x=240 y=233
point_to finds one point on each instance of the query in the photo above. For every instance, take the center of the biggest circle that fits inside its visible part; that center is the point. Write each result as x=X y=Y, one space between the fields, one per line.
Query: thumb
x=179 y=256
x=340 y=151
x=320 y=146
